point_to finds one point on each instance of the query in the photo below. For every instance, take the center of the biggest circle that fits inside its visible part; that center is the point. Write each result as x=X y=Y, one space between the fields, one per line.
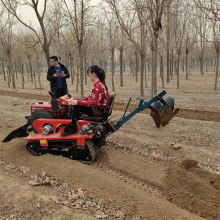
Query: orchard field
x=143 y=172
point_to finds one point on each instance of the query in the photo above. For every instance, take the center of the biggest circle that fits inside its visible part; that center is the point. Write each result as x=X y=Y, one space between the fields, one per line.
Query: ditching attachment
x=163 y=111
x=19 y=132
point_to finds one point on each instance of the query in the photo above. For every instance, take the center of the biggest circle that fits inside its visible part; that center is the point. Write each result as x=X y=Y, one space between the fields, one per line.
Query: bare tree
x=130 y=27
x=29 y=46
x=179 y=27
x=6 y=39
x=189 y=40
x=148 y=13
x=121 y=49
x=216 y=39
x=77 y=11
x=38 y=51
x=168 y=42
x=157 y=9
x=45 y=42
x=111 y=33
x=211 y=10
x=2 y=26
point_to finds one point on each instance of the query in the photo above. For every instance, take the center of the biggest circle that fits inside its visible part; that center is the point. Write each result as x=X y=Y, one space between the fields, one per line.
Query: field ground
x=138 y=174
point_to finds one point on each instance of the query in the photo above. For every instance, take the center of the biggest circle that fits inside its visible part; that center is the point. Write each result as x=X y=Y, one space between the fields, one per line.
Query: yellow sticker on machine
x=43 y=141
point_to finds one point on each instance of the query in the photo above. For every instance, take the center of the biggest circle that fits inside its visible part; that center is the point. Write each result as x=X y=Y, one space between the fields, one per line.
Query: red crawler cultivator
x=47 y=122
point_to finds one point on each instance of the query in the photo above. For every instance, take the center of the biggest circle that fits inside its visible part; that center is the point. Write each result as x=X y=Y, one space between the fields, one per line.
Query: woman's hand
x=73 y=102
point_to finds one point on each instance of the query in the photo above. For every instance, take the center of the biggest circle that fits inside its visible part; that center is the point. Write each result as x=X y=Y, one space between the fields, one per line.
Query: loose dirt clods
x=194 y=189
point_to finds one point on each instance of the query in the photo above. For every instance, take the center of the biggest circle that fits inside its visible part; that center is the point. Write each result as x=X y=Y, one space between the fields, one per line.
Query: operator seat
x=107 y=110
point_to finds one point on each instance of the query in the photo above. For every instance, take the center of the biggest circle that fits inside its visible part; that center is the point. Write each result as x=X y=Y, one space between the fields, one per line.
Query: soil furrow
x=183 y=113
x=125 y=176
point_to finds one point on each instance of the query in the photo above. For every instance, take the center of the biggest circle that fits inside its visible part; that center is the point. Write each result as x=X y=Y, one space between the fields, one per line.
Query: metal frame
x=141 y=106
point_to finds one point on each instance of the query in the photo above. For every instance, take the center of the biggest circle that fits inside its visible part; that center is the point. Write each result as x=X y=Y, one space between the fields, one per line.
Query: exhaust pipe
x=52 y=95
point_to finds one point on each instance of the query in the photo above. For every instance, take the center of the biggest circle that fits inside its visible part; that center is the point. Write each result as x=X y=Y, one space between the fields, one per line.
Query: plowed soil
x=143 y=172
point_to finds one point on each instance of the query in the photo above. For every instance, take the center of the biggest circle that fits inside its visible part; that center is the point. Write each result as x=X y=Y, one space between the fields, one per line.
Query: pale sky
x=27 y=13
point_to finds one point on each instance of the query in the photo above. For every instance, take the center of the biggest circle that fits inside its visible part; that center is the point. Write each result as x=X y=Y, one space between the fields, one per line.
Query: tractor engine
x=58 y=108
x=55 y=109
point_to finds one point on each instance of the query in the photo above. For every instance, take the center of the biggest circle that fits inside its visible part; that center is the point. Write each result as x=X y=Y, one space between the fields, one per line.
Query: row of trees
x=139 y=34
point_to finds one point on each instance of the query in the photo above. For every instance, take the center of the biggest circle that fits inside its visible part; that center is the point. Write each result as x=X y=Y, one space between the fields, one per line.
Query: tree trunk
x=171 y=64
x=113 y=67
x=162 y=71
x=217 y=68
x=85 y=70
x=71 y=69
x=72 y=72
x=77 y=78
x=121 y=66
x=9 y=75
x=38 y=72
x=142 y=73
x=168 y=44
x=22 y=75
x=13 y=77
x=201 y=65
x=47 y=55
x=145 y=71
x=178 y=71
x=136 y=66
x=211 y=63
x=168 y=65
x=81 y=70
x=35 y=81
x=148 y=65
x=183 y=69
x=187 y=68
x=16 y=70
x=27 y=71
x=130 y=65
x=30 y=67
x=3 y=69
x=207 y=65
x=12 y=73
x=154 y=69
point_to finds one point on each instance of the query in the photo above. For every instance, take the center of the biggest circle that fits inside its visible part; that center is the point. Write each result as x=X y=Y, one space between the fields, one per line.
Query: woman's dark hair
x=99 y=72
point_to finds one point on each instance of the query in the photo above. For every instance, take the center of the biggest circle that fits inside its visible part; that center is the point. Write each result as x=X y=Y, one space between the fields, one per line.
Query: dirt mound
x=194 y=189
x=187 y=164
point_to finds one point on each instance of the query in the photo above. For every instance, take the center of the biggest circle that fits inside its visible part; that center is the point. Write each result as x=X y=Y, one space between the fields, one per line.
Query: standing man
x=57 y=75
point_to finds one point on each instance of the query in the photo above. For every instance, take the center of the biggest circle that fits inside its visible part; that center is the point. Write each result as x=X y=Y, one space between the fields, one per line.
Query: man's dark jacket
x=53 y=80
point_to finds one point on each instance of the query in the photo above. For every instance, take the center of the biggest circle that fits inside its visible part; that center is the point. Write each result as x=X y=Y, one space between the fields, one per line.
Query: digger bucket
x=163 y=111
